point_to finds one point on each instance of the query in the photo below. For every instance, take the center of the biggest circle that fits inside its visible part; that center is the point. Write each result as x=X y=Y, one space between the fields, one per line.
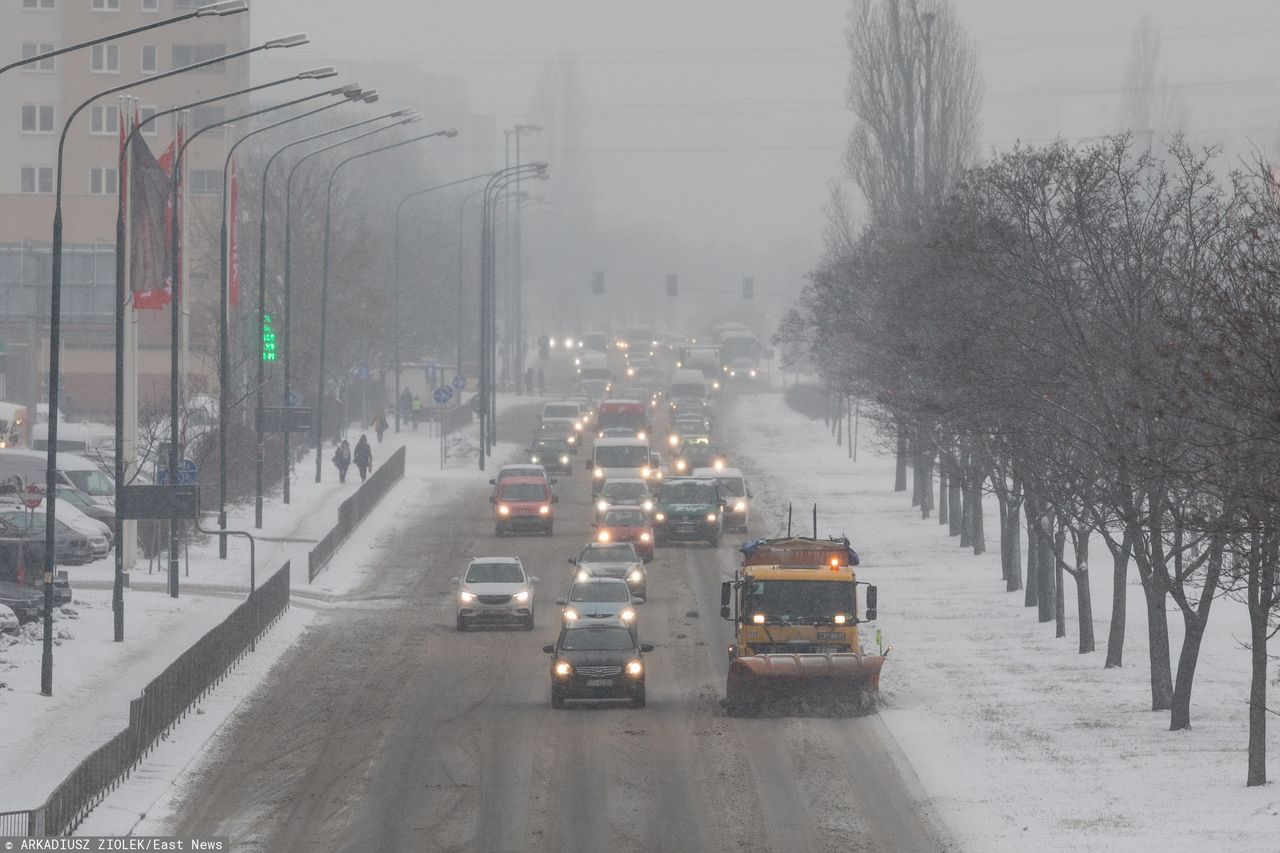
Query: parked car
x=627 y=524
x=26 y=603
x=495 y=589
x=30 y=571
x=612 y=560
x=598 y=598
x=70 y=514
x=9 y=622
x=70 y=547
x=597 y=661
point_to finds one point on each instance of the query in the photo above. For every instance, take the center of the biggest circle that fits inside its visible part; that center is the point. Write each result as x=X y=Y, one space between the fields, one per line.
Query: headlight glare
x=758 y=619
x=839 y=619
x=598 y=473
x=712 y=518
x=602 y=505
x=503 y=509
x=582 y=576
x=563 y=668
x=740 y=506
x=635 y=668
x=635 y=576
x=466 y=596
x=644 y=537
x=662 y=516
x=627 y=615
x=521 y=596
x=545 y=509
x=603 y=536
x=570 y=613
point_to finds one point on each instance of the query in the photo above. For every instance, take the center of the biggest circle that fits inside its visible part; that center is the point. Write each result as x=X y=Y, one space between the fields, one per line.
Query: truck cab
x=613 y=458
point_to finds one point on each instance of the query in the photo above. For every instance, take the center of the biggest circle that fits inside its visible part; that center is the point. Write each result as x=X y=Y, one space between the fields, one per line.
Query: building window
x=105 y=59
x=103 y=181
x=190 y=54
x=37 y=179
x=150 y=59
x=145 y=112
x=106 y=5
x=30 y=49
x=37 y=118
x=104 y=120
x=151 y=5
x=204 y=181
x=42 y=5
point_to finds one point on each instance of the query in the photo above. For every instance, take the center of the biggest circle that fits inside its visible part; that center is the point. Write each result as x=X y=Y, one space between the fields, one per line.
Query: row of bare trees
x=1092 y=336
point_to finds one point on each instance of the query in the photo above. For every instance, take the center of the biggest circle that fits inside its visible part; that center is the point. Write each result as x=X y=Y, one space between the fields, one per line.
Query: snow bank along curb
x=163 y=703
x=354 y=510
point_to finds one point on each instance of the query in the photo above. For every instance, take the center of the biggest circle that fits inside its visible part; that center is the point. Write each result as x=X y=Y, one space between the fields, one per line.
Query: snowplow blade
x=803 y=684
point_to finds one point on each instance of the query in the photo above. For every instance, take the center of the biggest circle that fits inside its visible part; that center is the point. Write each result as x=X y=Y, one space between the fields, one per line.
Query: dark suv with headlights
x=602 y=660
x=690 y=510
x=554 y=454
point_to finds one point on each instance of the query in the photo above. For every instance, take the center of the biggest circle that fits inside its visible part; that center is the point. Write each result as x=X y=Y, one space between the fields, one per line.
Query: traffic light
x=748 y=288
x=268 y=339
x=597 y=283
x=544 y=348
x=673 y=286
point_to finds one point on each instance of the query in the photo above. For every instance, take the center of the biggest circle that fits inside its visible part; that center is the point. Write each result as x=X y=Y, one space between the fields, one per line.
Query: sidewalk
x=94 y=678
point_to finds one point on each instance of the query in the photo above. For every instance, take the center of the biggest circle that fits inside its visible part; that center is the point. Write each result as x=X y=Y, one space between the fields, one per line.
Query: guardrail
x=163 y=703
x=354 y=510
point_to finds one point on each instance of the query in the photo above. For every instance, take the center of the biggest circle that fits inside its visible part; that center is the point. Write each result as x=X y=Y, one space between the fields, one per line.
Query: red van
x=631 y=414
x=523 y=503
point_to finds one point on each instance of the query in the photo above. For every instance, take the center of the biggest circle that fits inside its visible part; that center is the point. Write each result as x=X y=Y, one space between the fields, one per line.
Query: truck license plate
x=599 y=682
x=828 y=635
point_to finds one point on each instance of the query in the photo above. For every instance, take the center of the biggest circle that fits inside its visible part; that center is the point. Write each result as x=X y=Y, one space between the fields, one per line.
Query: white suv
x=495 y=589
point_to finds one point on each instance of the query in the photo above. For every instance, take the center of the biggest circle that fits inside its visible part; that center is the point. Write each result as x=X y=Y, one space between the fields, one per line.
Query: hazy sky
x=726 y=118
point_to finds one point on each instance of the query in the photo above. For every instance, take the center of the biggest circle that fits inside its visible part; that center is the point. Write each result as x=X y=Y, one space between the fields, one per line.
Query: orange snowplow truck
x=794 y=608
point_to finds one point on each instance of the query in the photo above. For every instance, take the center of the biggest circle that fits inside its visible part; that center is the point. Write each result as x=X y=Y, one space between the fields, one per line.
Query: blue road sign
x=293 y=399
x=442 y=395
x=187 y=472
x=363 y=373
x=162 y=475
x=460 y=382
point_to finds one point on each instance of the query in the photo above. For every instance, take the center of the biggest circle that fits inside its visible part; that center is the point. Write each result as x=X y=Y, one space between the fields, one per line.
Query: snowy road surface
x=384 y=728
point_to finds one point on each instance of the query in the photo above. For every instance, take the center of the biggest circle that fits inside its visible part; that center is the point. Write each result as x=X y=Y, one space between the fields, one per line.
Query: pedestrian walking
x=528 y=381
x=405 y=403
x=416 y=407
x=363 y=456
x=380 y=424
x=342 y=459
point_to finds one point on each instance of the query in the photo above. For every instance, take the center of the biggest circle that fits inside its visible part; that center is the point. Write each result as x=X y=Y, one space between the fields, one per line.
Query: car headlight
x=627 y=615
x=718 y=464
x=603 y=536
x=646 y=471
x=521 y=596
x=662 y=516
x=577 y=362
x=534 y=458
x=733 y=373
x=601 y=506
x=466 y=596
x=642 y=435
x=570 y=613
x=644 y=537
x=635 y=576
x=839 y=619
x=758 y=619
x=584 y=575
x=681 y=465
x=715 y=386
x=673 y=440
x=563 y=668
x=647 y=506
x=740 y=506
x=573 y=439
x=545 y=509
x=598 y=473
x=577 y=426
x=503 y=509
x=712 y=518
x=564 y=460
x=635 y=667
x=753 y=374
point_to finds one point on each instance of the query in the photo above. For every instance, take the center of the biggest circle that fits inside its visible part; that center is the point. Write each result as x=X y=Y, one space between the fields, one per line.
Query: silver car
x=613 y=560
x=598 y=598
x=495 y=590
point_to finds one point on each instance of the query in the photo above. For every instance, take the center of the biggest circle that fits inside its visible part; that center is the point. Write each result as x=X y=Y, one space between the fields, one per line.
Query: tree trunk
x=917 y=476
x=1012 y=522
x=966 y=516
x=1180 y=707
x=1029 y=508
x=1084 y=596
x=1046 y=590
x=978 y=535
x=1257 y=692
x=1060 y=588
x=955 y=509
x=900 y=473
x=942 y=492
x=1119 y=600
x=926 y=485
x=1158 y=644
x=1002 y=501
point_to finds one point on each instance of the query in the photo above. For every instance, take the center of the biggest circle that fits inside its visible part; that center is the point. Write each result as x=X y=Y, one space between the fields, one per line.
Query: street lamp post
x=367 y=96
x=324 y=275
x=395 y=318
x=55 y=333
x=406 y=116
x=227 y=7
x=462 y=209
x=517 y=285
x=120 y=309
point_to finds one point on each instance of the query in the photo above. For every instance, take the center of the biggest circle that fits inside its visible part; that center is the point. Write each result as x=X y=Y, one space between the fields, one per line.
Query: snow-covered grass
x=1019 y=741
x=44 y=738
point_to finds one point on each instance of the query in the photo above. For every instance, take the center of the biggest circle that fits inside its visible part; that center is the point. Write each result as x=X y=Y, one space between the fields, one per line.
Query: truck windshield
x=622 y=457
x=798 y=601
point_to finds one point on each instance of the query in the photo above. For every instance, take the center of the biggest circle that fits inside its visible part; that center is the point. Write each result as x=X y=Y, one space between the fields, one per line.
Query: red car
x=523 y=503
x=627 y=524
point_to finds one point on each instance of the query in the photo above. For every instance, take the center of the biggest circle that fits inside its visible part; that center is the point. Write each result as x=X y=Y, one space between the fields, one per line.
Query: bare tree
x=915 y=89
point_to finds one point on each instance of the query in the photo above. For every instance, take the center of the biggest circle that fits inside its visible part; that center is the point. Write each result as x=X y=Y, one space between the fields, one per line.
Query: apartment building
x=35 y=101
